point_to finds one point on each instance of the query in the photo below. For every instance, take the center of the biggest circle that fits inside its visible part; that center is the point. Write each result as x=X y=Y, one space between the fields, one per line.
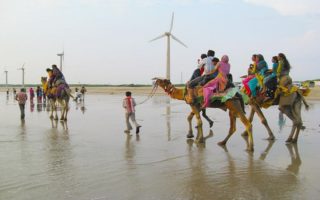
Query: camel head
x=43 y=79
x=169 y=88
x=44 y=84
x=165 y=84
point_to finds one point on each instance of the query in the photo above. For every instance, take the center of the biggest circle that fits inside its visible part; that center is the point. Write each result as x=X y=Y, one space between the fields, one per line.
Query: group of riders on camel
x=213 y=77
x=56 y=84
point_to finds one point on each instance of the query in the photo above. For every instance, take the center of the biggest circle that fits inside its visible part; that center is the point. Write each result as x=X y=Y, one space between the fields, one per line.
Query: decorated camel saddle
x=218 y=98
x=282 y=94
x=57 y=90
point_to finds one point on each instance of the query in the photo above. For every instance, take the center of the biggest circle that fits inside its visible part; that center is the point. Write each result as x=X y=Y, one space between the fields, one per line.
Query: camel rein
x=153 y=91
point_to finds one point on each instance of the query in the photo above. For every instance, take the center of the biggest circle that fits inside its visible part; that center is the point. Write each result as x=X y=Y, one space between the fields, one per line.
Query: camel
x=289 y=104
x=233 y=105
x=51 y=94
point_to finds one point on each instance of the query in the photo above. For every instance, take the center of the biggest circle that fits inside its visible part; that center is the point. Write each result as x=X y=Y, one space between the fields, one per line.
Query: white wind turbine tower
x=168 y=35
x=22 y=69
x=61 y=55
x=6 y=72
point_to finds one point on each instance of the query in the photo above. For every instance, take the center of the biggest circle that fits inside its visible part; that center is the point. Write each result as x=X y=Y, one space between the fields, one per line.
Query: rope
x=153 y=91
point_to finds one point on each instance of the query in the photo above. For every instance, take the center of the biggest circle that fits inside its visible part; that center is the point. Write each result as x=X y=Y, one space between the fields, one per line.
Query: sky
x=107 y=41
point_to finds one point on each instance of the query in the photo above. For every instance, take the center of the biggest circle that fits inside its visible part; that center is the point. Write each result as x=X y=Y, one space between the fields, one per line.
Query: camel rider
x=58 y=76
x=208 y=67
x=58 y=80
x=50 y=77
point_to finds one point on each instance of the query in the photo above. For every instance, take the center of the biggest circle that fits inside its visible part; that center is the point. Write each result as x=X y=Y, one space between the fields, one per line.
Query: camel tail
x=68 y=91
x=303 y=100
x=305 y=103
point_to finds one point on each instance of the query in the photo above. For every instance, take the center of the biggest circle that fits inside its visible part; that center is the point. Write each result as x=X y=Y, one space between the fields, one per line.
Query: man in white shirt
x=208 y=67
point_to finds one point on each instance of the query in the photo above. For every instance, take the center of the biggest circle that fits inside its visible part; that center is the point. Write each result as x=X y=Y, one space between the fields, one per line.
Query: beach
x=90 y=157
x=314 y=94
x=147 y=90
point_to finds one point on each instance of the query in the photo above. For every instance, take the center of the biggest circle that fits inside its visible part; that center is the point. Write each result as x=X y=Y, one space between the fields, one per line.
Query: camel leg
x=199 y=138
x=287 y=111
x=204 y=114
x=190 y=133
x=63 y=110
x=248 y=125
x=264 y=122
x=232 y=128
x=66 y=113
x=54 y=108
x=297 y=115
x=51 y=111
x=245 y=133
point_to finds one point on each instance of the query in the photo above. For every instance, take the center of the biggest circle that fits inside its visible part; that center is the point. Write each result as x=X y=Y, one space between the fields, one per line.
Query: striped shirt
x=129 y=104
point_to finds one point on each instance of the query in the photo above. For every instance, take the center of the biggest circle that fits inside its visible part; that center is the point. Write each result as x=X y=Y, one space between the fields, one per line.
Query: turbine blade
x=176 y=39
x=171 y=23
x=163 y=35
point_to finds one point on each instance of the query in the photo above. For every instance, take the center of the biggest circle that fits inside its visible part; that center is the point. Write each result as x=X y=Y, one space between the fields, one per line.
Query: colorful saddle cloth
x=226 y=95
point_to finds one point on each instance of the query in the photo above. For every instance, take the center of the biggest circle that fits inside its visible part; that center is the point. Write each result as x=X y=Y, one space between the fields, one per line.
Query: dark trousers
x=202 y=80
x=22 y=106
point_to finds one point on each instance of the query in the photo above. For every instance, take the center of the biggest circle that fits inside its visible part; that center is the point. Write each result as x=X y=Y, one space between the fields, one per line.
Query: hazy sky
x=106 y=41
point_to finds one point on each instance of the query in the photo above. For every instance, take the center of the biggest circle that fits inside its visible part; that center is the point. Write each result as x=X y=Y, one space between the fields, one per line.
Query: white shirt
x=208 y=65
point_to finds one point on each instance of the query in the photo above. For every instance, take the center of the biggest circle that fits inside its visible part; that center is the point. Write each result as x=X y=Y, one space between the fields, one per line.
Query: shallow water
x=90 y=157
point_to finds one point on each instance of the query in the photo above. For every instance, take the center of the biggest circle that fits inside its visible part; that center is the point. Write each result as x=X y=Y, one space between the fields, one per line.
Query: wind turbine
x=22 y=69
x=61 y=55
x=169 y=35
x=6 y=72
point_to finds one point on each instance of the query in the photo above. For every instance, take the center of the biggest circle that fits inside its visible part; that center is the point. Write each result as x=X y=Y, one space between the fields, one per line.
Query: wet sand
x=146 y=90
x=90 y=157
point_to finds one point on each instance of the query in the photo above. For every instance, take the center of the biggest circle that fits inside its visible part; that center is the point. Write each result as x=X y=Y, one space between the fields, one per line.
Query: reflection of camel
x=233 y=105
x=210 y=134
x=281 y=121
x=295 y=158
x=290 y=105
x=64 y=125
x=63 y=100
x=266 y=151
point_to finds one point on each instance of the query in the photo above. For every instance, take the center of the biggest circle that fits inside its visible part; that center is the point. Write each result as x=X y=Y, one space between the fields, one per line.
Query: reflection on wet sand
x=129 y=150
x=64 y=125
x=257 y=180
x=266 y=151
x=168 y=120
x=85 y=159
x=82 y=106
x=202 y=145
x=281 y=121
x=31 y=107
x=296 y=162
x=197 y=184
x=23 y=127
x=60 y=167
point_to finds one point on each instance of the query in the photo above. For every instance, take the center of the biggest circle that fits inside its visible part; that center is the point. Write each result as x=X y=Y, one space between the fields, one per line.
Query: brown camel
x=51 y=94
x=233 y=105
x=289 y=104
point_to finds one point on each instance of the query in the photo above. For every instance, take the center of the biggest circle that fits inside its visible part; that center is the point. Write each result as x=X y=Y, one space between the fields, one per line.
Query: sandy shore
x=314 y=95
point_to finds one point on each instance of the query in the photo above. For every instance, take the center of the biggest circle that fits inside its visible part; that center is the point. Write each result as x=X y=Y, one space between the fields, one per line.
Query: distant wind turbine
x=168 y=35
x=6 y=72
x=22 y=69
x=61 y=55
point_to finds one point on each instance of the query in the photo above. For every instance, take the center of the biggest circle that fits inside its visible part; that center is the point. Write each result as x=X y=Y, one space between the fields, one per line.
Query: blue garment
x=273 y=74
x=262 y=67
x=253 y=83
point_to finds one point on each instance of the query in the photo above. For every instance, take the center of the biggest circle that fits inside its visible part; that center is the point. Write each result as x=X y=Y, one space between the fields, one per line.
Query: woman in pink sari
x=219 y=83
x=251 y=74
